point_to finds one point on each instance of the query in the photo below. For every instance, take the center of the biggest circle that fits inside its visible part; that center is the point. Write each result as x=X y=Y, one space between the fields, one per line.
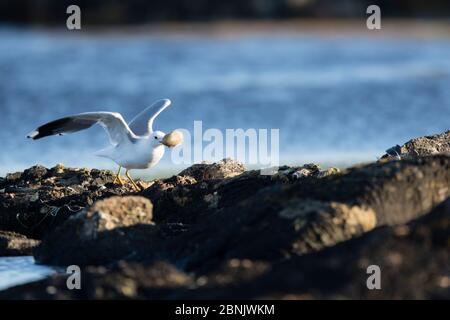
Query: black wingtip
x=38 y=134
x=35 y=134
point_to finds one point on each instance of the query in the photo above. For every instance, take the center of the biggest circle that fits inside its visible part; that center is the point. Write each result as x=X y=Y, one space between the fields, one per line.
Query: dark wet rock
x=34 y=173
x=14 y=244
x=252 y=216
x=422 y=146
x=37 y=200
x=12 y=177
x=397 y=191
x=285 y=219
x=180 y=203
x=63 y=248
x=307 y=170
x=182 y=198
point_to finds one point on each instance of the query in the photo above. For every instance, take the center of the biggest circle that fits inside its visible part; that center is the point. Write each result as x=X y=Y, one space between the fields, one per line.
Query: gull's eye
x=156 y=137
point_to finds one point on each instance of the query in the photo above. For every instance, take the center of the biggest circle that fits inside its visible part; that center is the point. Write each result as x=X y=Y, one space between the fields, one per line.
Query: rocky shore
x=219 y=231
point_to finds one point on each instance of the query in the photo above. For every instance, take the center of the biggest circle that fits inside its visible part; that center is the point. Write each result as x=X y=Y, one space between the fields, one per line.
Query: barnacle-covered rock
x=422 y=146
x=225 y=168
x=35 y=201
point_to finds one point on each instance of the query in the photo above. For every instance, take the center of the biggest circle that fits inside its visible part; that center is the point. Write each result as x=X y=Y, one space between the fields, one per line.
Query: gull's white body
x=141 y=153
x=133 y=146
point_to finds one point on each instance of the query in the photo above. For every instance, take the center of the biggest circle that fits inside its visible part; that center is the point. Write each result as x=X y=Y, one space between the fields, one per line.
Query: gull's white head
x=157 y=137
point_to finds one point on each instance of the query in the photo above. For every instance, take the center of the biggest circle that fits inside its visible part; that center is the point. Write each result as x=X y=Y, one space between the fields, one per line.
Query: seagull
x=133 y=146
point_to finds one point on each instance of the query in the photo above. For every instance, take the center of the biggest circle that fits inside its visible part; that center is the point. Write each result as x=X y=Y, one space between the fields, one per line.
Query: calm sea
x=335 y=100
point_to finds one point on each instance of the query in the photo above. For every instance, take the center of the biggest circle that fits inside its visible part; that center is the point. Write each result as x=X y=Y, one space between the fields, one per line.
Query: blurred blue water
x=335 y=100
x=19 y=270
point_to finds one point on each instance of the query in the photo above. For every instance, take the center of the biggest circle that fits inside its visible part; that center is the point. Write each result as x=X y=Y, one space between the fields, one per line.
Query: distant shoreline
x=411 y=28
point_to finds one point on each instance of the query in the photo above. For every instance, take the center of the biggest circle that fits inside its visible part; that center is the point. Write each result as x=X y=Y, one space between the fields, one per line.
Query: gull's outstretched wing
x=112 y=122
x=142 y=124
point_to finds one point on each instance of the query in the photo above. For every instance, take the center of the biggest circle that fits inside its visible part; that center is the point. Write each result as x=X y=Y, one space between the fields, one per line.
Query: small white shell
x=173 y=138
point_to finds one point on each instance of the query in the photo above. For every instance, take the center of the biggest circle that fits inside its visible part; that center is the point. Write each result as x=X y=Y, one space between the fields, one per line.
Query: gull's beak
x=172 y=139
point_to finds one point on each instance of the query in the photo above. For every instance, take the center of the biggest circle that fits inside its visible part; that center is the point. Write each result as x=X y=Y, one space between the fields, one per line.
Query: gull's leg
x=132 y=181
x=117 y=178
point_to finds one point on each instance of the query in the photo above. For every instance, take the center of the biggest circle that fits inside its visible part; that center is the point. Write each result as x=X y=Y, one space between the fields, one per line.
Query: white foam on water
x=20 y=270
